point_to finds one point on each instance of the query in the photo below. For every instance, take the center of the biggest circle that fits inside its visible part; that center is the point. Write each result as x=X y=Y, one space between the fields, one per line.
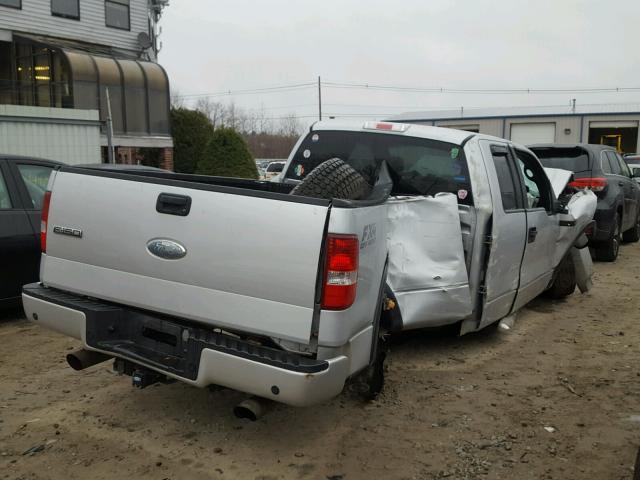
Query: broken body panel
x=451 y=262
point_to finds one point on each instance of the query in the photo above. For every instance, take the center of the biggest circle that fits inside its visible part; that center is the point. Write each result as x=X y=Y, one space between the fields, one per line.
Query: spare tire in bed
x=333 y=179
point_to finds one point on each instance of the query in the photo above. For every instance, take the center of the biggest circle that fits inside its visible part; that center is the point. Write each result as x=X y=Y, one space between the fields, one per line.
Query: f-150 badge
x=72 y=232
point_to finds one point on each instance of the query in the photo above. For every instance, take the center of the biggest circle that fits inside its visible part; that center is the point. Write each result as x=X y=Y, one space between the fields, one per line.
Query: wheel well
x=391 y=319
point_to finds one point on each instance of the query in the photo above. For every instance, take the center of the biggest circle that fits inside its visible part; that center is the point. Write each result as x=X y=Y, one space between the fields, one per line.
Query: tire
x=369 y=383
x=633 y=234
x=608 y=251
x=333 y=179
x=564 y=283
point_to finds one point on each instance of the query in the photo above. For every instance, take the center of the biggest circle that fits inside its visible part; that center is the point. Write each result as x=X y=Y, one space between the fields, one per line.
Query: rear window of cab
x=418 y=166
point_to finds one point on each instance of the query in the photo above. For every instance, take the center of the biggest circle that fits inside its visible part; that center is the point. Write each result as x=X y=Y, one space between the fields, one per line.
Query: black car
x=601 y=169
x=23 y=182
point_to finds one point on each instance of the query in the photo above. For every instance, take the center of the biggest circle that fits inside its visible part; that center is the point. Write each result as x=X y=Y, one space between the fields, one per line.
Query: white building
x=58 y=61
x=615 y=125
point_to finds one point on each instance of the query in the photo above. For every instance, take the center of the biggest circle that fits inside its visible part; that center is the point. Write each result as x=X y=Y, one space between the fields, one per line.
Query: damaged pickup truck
x=287 y=290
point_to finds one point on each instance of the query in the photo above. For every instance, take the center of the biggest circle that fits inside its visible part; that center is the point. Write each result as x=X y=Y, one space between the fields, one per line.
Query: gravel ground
x=555 y=397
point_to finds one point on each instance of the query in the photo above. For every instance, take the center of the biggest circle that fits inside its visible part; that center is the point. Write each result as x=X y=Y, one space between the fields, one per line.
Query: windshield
x=574 y=159
x=418 y=166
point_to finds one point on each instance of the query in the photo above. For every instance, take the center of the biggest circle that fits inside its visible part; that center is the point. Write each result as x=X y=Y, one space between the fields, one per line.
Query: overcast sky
x=220 y=45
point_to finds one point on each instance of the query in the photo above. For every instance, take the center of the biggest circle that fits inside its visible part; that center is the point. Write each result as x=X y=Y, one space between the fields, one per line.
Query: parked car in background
x=262 y=165
x=23 y=183
x=273 y=170
x=633 y=162
x=601 y=169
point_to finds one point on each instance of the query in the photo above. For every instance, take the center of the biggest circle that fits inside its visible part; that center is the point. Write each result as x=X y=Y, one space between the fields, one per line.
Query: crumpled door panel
x=427 y=270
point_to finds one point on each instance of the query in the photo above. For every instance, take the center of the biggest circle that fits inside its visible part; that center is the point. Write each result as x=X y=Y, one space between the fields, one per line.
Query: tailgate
x=251 y=257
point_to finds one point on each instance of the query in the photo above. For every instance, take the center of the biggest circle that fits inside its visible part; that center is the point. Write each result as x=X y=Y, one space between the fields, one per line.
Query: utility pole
x=319 y=98
x=110 y=152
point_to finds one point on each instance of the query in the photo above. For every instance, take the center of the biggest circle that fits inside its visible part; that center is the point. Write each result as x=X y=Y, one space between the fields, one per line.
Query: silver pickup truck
x=286 y=292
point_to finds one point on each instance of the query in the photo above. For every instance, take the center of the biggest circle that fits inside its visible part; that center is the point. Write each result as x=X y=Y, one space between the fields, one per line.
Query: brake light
x=589 y=230
x=389 y=127
x=340 y=272
x=596 y=184
x=44 y=220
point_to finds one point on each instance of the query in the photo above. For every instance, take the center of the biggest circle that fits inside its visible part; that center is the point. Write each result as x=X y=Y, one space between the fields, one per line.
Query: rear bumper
x=186 y=351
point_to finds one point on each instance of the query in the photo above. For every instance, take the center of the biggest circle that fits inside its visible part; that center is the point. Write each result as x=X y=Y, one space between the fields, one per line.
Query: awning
x=138 y=91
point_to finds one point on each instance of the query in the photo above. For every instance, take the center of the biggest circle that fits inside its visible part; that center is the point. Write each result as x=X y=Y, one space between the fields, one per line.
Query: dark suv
x=601 y=169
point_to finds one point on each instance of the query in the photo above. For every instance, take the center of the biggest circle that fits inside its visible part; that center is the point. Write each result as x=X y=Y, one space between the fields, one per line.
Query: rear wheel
x=633 y=234
x=565 y=282
x=608 y=251
x=369 y=383
x=333 y=179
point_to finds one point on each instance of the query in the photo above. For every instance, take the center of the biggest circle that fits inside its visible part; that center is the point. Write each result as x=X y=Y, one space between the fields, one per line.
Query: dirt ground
x=555 y=397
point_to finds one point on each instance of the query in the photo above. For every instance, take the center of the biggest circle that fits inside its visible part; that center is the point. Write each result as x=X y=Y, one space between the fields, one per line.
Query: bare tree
x=215 y=111
x=290 y=126
x=230 y=115
x=263 y=124
x=177 y=100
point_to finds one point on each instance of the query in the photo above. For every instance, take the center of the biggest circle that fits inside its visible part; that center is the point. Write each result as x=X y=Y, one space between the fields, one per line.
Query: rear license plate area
x=155 y=341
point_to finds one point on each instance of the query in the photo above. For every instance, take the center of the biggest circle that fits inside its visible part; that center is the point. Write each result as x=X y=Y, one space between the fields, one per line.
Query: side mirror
x=635 y=172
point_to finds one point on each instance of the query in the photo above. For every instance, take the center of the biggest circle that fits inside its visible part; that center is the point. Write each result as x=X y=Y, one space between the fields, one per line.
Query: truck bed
x=251 y=251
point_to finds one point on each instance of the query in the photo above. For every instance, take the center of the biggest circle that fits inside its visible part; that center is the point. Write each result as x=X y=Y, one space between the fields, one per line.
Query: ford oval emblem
x=165 y=248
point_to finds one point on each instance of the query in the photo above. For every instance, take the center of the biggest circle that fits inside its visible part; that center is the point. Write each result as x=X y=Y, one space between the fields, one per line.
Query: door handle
x=173 y=204
x=533 y=233
x=621 y=184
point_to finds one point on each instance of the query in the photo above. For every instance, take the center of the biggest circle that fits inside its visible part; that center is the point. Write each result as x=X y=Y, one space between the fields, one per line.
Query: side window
x=506 y=180
x=624 y=168
x=5 y=201
x=536 y=182
x=604 y=163
x=36 y=178
x=613 y=161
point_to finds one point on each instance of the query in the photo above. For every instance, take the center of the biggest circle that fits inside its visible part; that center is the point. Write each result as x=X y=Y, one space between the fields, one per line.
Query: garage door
x=528 y=133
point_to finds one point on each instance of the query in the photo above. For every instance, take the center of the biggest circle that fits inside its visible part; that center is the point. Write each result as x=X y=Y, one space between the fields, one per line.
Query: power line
x=403 y=89
x=286 y=117
x=275 y=89
x=282 y=107
x=369 y=86
x=457 y=107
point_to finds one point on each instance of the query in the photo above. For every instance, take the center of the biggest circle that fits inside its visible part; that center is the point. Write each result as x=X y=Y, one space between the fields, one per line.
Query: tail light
x=589 y=230
x=340 y=272
x=596 y=184
x=44 y=220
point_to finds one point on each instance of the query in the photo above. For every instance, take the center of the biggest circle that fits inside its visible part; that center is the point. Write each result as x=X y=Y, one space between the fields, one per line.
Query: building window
x=66 y=8
x=11 y=3
x=116 y=14
x=7 y=68
x=32 y=74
